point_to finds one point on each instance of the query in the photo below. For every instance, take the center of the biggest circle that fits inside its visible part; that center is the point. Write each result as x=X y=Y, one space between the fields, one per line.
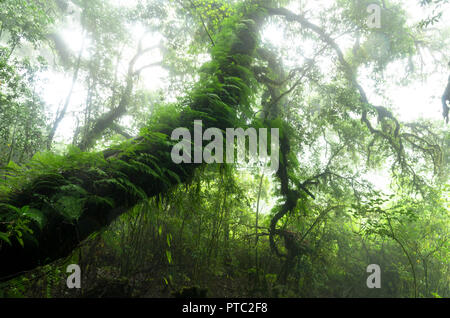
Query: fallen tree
x=53 y=203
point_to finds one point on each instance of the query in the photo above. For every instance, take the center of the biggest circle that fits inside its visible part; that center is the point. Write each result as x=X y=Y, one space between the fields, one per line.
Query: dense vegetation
x=93 y=183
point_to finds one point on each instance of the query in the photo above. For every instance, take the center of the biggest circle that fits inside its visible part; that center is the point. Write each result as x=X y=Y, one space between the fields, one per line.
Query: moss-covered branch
x=52 y=204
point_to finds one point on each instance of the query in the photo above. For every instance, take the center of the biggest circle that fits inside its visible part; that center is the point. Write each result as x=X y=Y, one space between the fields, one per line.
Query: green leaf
x=169 y=257
x=36 y=216
x=5 y=237
x=20 y=240
x=10 y=207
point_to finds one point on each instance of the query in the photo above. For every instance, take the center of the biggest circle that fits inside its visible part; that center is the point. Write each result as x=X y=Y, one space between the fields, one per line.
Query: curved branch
x=106 y=120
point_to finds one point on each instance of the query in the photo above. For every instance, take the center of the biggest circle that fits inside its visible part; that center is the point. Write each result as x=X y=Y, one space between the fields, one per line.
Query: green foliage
x=217 y=226
x=18 y=223
x=22 y=119
x=436 y=14
x=26 y=20
x=384 y=45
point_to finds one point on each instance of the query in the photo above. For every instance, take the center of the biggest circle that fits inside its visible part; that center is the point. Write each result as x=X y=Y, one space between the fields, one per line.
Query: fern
x=98 y=200
x=142 y=167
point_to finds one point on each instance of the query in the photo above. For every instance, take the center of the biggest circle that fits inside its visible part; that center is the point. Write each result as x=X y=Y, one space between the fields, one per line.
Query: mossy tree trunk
x=97 y=188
